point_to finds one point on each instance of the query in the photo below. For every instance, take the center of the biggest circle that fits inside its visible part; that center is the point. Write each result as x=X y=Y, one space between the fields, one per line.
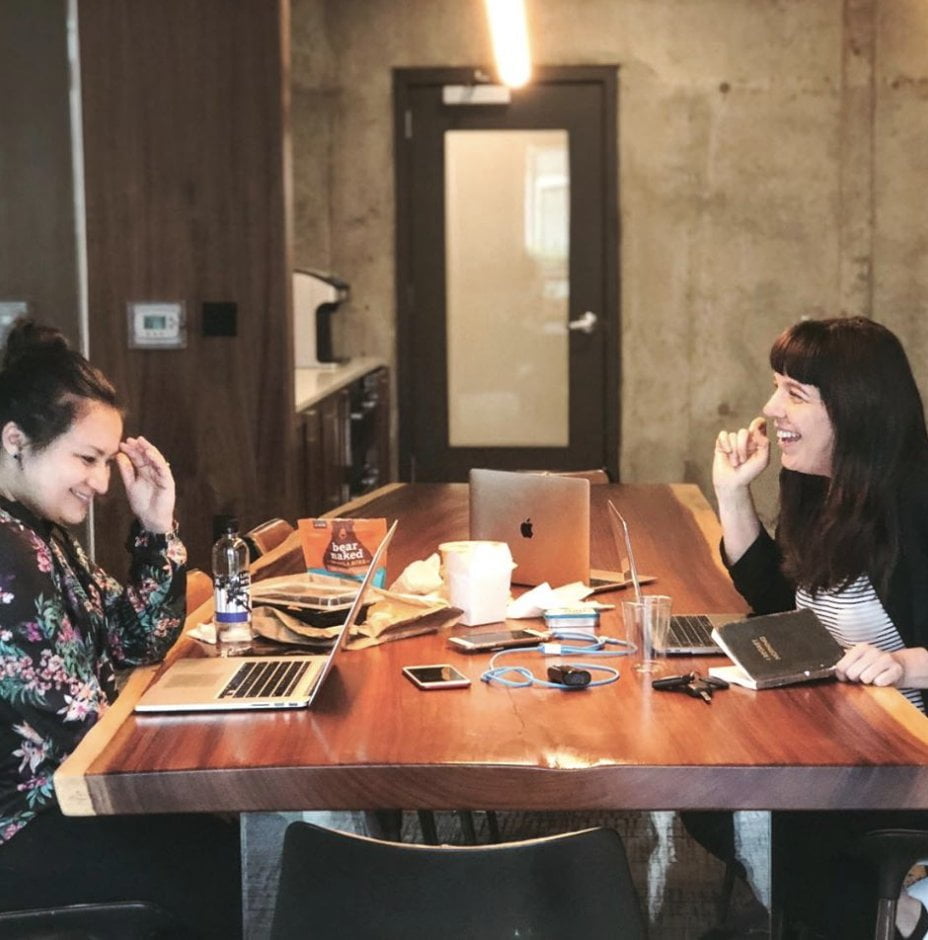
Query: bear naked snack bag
x=343 y=547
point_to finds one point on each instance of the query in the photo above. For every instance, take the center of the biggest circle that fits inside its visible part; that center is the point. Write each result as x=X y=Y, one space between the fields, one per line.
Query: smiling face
x=804 y=430
x=59 y=482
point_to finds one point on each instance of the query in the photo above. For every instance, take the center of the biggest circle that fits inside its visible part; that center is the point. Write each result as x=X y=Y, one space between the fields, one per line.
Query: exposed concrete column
x=856 y=158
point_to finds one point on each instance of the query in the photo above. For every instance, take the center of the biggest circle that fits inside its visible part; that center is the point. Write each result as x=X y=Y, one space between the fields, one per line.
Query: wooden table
x=373 y=741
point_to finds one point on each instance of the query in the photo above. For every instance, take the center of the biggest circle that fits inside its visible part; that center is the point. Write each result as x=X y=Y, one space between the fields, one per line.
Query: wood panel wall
x=185 y=109
x=37 y=238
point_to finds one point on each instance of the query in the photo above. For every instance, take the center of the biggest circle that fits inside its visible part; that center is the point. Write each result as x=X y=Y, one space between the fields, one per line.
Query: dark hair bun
x=43 y=382
x=28 y=340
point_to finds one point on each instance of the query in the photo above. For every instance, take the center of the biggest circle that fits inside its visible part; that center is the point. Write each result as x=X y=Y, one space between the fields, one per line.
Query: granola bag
x=343 y=547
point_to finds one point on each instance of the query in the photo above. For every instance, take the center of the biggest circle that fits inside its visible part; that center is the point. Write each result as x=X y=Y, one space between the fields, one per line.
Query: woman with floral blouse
x=65 y=625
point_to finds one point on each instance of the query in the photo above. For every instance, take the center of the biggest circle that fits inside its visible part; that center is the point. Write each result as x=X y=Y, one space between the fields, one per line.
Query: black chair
x=892 y=852
x=116 y=920
x=337 y=885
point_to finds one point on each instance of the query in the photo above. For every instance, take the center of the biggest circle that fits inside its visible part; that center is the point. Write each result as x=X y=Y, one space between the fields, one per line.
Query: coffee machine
x=316 y=297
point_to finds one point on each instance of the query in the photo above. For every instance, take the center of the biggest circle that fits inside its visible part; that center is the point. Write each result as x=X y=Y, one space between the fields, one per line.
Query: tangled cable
x=567 y=676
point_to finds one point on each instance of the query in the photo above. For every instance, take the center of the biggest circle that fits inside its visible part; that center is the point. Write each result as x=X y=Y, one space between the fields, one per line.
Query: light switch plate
x=157 y=324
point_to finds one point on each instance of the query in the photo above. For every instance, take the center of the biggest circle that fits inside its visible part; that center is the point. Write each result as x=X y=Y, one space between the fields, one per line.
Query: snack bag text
x=343 y=547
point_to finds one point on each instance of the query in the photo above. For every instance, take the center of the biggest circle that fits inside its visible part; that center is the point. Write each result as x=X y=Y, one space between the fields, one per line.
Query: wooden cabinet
x=346 y=443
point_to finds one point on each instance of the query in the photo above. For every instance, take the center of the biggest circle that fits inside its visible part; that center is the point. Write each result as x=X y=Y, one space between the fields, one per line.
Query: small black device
x=569 y=676
x=439 y=676
x=488 y=641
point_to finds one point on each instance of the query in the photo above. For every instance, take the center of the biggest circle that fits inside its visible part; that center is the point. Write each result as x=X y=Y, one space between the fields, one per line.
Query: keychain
x=692 y=684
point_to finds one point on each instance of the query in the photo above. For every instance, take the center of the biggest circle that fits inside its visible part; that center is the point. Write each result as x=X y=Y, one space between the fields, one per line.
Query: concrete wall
x=772 y=163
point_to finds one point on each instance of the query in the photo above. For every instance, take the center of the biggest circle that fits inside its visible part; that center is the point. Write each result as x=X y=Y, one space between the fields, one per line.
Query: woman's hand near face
x=740 y=456
x=871 y=666
x=149 y=483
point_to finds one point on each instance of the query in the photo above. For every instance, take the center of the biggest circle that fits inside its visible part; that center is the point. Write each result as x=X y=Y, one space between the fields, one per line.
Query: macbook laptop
x=543 y=518
x=227 y=683
x=690 y=634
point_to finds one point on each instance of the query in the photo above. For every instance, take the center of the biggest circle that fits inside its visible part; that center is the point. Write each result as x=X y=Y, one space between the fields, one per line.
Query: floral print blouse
x=64 y=626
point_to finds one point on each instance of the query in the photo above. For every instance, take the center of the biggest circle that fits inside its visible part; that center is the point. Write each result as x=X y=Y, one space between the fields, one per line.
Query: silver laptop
x=233 y=683
x=690 y=634
x=544 y=518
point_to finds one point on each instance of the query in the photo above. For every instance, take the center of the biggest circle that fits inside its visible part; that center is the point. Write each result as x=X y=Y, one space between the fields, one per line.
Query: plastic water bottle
x=231 y=587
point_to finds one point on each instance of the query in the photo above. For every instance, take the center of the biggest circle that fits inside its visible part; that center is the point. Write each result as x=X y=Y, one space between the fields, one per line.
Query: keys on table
x=690 y=683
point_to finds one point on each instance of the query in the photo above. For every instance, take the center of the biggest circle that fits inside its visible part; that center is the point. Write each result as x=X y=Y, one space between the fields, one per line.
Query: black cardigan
x=758 y=577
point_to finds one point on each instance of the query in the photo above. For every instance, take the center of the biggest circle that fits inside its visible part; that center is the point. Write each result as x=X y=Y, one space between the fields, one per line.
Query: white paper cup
x=476 y=577
x=647 y=624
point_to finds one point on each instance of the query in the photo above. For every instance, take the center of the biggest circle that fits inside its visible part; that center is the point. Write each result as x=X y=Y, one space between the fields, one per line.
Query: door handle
x=585 y=323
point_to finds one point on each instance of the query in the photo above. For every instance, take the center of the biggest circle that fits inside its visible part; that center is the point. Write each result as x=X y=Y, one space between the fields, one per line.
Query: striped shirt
x=856 y=615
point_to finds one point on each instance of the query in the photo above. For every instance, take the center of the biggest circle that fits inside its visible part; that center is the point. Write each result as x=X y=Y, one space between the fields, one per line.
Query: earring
x=18 y=457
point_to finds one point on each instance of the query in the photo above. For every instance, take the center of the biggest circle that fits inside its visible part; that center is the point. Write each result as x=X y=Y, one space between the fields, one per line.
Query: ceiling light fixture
x=509 y=32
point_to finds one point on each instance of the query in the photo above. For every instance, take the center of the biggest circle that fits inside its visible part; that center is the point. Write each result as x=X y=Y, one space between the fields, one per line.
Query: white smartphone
x=488 y=641
x=440 y=676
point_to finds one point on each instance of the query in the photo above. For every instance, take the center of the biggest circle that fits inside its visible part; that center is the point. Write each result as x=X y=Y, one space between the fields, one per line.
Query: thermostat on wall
x=157 y=325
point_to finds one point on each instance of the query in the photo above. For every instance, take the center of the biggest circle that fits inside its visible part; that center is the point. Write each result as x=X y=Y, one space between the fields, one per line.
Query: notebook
x=690 y=634
x=543 y=518
x=235 y=683
x=777 y=649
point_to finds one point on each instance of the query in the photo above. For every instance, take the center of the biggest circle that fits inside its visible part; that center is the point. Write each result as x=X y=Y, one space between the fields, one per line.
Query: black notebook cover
x=780 y=649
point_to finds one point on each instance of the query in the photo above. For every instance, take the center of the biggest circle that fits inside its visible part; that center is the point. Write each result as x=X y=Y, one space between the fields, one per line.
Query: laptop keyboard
x=264 y=680
x=691 y=630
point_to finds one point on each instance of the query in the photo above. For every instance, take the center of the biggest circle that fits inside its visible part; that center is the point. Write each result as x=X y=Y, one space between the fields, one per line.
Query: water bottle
x=231 y=587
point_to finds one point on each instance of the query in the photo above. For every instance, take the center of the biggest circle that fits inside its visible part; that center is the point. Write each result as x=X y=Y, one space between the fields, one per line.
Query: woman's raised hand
x=149 y=483
x=740 y=456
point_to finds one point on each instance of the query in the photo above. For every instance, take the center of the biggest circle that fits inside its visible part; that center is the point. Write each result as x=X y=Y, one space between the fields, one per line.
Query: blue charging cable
x=521 y=677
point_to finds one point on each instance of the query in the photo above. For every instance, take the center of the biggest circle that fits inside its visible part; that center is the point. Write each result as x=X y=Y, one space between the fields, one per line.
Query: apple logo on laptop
x=526 y=529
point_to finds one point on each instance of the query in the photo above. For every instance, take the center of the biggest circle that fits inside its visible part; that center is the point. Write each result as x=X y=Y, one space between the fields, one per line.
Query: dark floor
x=679 y=884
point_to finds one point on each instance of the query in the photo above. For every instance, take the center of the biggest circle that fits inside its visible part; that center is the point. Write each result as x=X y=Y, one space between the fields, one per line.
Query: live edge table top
x=372 y=740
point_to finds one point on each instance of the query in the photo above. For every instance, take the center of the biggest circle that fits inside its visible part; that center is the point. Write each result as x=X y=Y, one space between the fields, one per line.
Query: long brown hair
x=834 y=529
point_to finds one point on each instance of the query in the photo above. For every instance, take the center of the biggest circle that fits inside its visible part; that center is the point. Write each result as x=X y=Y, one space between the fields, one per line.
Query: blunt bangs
x=799 y=353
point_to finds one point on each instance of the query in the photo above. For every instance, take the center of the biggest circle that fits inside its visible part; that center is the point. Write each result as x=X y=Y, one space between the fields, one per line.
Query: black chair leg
x=468 y=830
x=427 y=824
x=493 y=826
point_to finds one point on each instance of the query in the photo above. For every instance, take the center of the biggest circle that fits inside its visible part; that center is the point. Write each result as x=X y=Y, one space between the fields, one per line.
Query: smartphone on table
x=490 y=640
x=438 y=676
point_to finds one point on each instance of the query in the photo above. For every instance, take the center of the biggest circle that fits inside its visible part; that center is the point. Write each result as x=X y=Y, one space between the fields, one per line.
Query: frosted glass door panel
x=507 y=225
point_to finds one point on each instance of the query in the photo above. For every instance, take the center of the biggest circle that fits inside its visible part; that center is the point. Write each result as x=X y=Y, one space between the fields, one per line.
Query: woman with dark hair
x=65 y=625
x=851 y=544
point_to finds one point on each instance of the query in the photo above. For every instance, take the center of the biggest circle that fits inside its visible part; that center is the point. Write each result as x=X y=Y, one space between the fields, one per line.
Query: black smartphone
x=440 y=676
x=496 y=640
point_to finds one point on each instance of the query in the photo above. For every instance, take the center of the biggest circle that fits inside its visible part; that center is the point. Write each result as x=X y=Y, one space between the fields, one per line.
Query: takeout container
x=477 y=576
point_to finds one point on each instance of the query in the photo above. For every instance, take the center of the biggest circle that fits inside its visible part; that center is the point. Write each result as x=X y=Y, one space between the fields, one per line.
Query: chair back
x=199 y=588
x=892 y=852
x=333 y=884
x=267 y=536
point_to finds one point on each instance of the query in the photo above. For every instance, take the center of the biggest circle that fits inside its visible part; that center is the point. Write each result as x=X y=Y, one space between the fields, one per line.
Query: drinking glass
x=647 y=624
